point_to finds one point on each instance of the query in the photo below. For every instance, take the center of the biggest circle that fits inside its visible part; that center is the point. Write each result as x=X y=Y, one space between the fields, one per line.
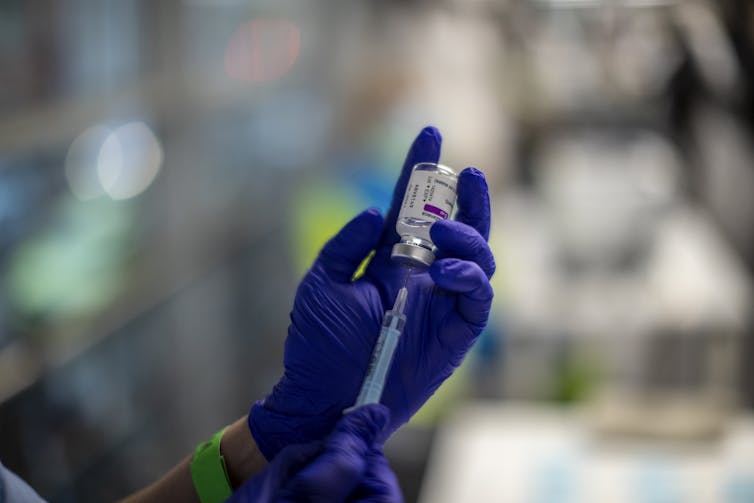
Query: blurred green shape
x=575 y=380
x=318 y=212
x=446 y=398
x=72 y=266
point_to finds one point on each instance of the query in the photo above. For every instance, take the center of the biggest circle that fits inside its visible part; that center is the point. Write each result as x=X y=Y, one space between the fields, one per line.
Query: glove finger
x=265 y=485
x=474 y=201
x=332 y=477
x=341 y=256
x=380 y=485
x=459 y=240
x=470 y=282
x=293 y=458
x=339 y=469
x=366 y=423
x=426 y=148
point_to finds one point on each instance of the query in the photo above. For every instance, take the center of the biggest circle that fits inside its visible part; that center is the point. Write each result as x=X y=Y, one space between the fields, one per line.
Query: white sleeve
x=15 y=490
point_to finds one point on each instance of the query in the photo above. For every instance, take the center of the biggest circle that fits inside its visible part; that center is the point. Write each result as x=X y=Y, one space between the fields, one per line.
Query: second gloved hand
x=346 y=467
x=335 y=321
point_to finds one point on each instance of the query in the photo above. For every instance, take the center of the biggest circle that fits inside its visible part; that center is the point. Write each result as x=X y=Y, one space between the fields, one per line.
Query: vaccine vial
x=430 y=196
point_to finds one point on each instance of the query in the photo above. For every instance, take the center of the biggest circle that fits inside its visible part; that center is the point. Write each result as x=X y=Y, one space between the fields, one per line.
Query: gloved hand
x=335 y=321
x=347 y=467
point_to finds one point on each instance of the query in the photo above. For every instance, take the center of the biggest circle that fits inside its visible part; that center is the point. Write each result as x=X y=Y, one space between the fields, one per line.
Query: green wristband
x=209 y=473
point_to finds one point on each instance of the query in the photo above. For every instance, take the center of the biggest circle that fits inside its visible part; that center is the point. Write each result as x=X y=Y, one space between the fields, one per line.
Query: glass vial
x=430 y=196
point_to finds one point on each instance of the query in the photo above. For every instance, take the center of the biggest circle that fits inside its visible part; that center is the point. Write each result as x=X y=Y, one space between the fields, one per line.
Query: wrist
x=243 y=459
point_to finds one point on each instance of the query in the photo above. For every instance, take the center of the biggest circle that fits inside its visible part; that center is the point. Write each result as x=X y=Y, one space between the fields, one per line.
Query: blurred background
x=168 y=170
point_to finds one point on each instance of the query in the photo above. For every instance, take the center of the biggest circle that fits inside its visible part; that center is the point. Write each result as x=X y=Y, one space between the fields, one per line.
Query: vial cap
x=413 y=255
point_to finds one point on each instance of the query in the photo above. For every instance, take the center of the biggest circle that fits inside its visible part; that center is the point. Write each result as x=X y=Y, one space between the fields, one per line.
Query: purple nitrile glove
x=379 y=484
x=346 y=467
x=335 y=321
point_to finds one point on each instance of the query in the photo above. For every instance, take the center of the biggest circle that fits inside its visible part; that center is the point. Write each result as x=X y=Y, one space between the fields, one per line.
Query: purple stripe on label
x=434 y=209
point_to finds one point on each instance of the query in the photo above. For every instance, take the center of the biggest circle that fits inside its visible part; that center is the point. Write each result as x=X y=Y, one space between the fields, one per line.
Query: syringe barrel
x=382 y=357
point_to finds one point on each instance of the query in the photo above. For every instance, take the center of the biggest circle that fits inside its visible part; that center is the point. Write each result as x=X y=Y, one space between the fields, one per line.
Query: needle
x=409 y=270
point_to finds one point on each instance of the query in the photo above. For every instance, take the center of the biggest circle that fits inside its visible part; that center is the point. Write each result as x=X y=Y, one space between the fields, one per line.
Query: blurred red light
x=262 y=50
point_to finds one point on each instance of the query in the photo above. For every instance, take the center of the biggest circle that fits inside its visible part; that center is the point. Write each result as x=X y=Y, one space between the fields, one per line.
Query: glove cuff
x=273 y=431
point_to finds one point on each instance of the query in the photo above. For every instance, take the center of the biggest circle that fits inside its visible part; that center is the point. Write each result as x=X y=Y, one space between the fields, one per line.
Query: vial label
x=429 y=196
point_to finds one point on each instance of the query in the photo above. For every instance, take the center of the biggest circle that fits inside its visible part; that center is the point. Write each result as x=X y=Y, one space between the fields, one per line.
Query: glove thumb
x=341 y=256
x=365 y=424
x=343 y=462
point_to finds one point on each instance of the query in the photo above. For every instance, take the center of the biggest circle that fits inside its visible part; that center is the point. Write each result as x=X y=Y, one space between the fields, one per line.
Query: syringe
x=382 y=356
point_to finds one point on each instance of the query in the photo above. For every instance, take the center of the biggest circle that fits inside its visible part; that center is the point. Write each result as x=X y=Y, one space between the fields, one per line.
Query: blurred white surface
x=490 y=452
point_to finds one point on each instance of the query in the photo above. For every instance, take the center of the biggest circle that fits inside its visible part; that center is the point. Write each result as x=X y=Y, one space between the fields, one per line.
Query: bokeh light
x=81 y=163
x=129 y=160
